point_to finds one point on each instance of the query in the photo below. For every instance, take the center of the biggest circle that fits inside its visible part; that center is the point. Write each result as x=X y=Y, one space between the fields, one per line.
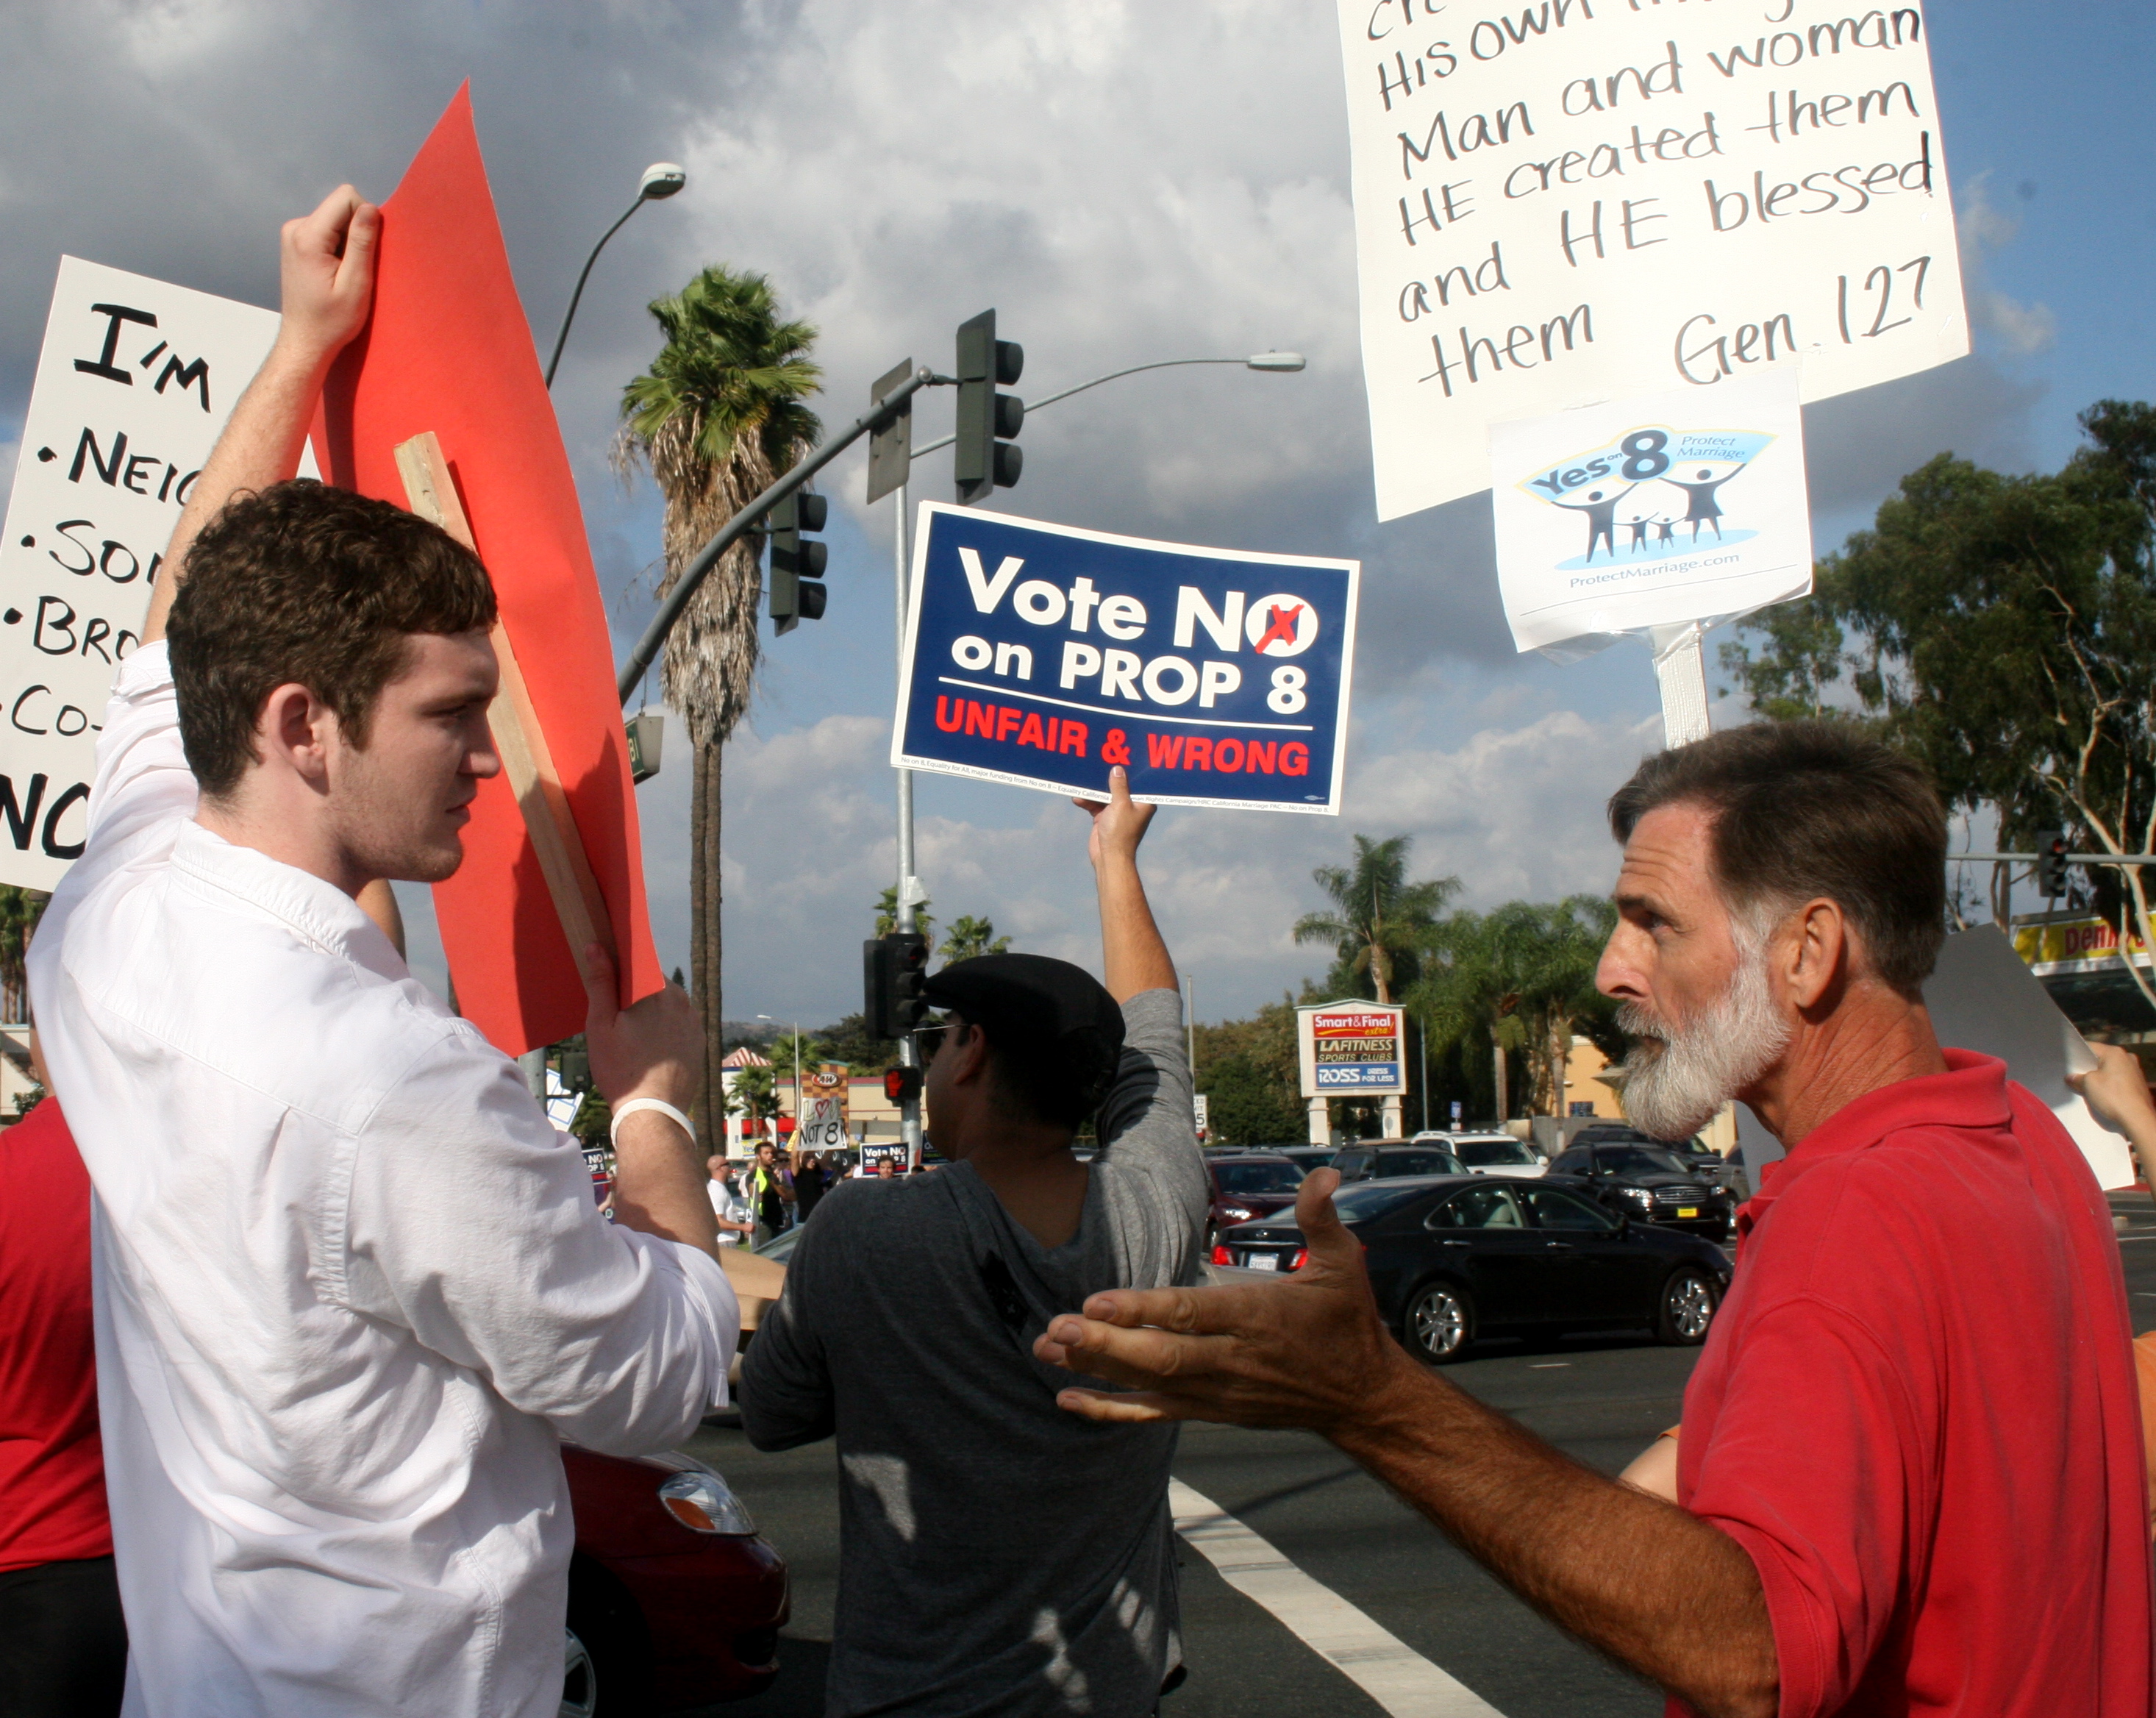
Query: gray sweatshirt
x=996 y=1555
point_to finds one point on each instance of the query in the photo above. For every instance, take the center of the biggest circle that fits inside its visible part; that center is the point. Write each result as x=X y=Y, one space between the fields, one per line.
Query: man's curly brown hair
x=302 y=584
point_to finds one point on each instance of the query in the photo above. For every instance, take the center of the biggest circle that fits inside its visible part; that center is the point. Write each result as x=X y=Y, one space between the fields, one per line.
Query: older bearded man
x=1911 y=1472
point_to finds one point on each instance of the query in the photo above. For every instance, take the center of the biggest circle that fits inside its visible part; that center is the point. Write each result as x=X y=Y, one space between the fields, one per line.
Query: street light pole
x=796 y=1025
x=909 y=885
x=1277 y=362
x=662 y=179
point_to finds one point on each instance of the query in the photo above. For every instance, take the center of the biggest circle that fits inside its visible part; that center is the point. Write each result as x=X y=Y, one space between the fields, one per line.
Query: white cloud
x=1124 y=181
x=1985 y=227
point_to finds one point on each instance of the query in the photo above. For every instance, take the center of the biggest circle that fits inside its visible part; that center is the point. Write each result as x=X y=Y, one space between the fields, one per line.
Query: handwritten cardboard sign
x=1681 y=507
x=135 y=382
x=1043 y=656
x=449 y=352
x=1572 y=201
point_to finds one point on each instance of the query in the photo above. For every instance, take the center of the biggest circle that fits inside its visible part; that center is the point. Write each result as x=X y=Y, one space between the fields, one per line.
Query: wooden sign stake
x=432 y=494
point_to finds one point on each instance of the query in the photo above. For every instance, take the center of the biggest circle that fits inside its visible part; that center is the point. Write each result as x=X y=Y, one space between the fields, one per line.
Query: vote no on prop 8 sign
x=1043 y=656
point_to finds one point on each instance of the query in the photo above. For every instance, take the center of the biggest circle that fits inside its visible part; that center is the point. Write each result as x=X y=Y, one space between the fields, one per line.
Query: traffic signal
x=894 y=969
x=901 y=1085
x=986 y=459
x=2050 y=862
x=796 y=563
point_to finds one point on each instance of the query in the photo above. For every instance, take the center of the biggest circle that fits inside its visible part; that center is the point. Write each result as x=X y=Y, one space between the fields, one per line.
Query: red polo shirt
x=52 y=1467
x=1916 y=1412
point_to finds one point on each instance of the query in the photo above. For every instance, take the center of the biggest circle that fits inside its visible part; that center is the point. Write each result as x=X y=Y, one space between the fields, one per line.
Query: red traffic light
x=901 y=1084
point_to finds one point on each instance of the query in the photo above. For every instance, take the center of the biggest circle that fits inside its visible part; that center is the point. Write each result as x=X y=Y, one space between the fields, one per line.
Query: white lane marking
x=1377 y=1661
x=1547 y=1365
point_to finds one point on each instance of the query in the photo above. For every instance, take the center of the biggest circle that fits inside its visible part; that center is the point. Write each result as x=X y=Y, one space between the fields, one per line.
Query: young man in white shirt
x=350 y=1287
x=729 y=1210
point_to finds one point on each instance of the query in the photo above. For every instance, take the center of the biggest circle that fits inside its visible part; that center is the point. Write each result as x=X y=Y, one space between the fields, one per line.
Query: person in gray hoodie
x=996 y=1554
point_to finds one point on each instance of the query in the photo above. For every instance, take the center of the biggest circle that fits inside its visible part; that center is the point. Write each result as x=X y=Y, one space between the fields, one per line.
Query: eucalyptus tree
x=2003 y=629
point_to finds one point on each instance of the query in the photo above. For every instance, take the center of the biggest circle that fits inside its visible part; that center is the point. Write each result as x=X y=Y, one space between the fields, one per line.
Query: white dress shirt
x=351 y=1288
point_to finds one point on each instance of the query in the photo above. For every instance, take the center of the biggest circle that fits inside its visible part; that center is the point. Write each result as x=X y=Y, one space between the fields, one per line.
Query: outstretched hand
x=1119 y=824
x=1307 y=1351
x=326 y=266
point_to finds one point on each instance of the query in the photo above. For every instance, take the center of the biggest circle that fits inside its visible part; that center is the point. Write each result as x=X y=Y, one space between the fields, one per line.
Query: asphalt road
x=1601 y=1400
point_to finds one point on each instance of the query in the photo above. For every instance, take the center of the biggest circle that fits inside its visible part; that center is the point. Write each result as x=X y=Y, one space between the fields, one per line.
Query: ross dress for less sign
x=1043 y=656
x=134 y=383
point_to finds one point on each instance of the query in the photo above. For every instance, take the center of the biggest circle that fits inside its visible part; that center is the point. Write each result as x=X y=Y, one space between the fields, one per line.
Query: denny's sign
x=2074 y=945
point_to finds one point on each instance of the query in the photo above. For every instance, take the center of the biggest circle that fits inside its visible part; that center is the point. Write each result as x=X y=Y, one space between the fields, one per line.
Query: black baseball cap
x=1032 y=1004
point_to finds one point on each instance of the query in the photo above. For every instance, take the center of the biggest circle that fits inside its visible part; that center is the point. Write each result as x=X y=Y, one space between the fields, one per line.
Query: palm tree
x=20 y=910
x=1523 y=974
x=717 y=417
x=969 y=937
x=1381 y=922
x=887 y=920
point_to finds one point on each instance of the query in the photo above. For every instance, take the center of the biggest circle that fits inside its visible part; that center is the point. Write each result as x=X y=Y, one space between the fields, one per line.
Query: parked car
x=1489 y=1154
x=1695 y=1153
x=1646 y=1180
x=675 y=1599
x=1307 y=1158
x=1454 y=1258
x=1248 y=1184
x=1363 y=1163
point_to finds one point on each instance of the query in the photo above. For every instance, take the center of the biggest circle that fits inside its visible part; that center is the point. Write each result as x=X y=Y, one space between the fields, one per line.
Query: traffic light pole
x=909 y=885
x=693 y=575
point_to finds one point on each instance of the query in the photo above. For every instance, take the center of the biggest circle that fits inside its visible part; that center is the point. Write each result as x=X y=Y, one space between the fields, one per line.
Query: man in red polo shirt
x=63 y=1645
x=1911 y=1473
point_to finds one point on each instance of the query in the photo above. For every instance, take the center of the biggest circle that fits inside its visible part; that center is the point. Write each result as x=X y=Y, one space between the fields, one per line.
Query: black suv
x=1364 y=1163
x=1642 y=1179
x=1705 y=1164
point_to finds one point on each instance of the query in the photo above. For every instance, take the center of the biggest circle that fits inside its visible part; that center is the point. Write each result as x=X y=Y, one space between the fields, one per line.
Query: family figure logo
x=1631 y=488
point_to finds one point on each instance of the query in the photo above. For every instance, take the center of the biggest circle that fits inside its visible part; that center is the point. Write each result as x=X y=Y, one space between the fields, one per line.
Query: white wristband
x=664 y=1109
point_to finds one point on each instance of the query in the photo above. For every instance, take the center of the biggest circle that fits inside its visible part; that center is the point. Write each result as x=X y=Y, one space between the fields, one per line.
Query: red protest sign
x=449 y=352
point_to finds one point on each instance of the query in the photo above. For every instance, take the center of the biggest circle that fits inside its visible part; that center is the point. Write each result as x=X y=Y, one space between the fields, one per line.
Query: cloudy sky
x=1123 y=182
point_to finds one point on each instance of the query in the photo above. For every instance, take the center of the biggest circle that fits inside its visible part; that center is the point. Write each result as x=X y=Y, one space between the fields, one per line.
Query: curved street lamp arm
x=1032 y=406
x=654 y=636
x=569 y=316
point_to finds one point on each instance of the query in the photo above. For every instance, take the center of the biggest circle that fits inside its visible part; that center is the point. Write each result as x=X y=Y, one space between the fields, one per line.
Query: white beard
x=1678 y=1077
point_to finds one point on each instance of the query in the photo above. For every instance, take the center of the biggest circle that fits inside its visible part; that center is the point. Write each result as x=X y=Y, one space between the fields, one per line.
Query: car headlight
x=703 y=1503
x=1638 y=1195
x=1236 y=1214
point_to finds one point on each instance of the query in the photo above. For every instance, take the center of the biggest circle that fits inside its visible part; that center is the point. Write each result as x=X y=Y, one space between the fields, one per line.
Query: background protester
x=810 y=1182
x=770 y=1193
x=1008 y=1558
x=729 y=1210
x=1858 y=1441
x=63 y=1640
x=352 y=1289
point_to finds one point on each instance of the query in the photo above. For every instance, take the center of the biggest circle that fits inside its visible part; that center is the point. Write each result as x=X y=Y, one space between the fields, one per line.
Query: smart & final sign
x=1351 y=1050
x=1043 y=655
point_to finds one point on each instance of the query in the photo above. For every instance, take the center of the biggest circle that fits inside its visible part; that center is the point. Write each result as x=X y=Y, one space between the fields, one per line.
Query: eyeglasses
x=925 y=1038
